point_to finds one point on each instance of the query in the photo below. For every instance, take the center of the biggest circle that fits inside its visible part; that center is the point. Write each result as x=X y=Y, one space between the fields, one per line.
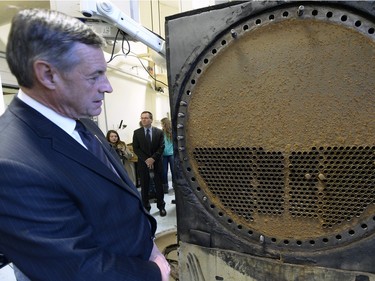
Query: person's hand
x=150 y=163
x=121 y=148
x=158 y=258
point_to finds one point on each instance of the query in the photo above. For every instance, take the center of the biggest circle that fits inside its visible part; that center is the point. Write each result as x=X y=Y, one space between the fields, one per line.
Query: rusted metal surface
x=273 y=117
x=203 y=264
x=286 y=101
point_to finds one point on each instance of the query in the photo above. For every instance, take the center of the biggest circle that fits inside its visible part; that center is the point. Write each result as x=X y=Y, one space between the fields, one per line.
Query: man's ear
x=45 y=74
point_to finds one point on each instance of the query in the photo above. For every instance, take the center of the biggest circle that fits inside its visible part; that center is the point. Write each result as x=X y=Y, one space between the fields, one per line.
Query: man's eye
x=93 y=79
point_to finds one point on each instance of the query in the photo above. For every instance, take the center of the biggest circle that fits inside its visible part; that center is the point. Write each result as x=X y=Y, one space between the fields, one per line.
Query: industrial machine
x=273 y=112
x=273 y=108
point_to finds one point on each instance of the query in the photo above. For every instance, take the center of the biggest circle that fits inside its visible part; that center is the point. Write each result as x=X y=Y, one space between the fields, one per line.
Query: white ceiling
x=9 y=8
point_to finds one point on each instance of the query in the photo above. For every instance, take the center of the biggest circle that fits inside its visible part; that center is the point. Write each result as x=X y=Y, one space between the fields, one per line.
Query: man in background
x=68 y=210
x=148 y=145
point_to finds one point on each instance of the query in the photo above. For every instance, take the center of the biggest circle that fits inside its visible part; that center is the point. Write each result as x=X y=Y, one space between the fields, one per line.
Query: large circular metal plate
x=276 y=127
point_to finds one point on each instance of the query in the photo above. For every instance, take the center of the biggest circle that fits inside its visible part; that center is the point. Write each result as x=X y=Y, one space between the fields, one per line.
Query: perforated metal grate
x=245 y=180
x=331 y=185
x=282 y=145
x=348 y=183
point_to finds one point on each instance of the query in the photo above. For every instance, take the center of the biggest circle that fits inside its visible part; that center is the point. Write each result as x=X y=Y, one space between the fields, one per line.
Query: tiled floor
x=164 y=225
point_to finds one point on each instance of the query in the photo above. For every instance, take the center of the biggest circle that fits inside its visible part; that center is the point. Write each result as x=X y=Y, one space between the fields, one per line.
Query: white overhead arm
x=108 y=12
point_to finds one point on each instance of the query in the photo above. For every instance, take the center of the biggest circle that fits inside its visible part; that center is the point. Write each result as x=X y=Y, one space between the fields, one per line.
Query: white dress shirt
x=65 y=123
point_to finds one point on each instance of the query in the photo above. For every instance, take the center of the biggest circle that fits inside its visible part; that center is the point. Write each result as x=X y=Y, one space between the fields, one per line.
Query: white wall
x=132 y=90
x=6 y=76
x=126 y=103
x=132 y=94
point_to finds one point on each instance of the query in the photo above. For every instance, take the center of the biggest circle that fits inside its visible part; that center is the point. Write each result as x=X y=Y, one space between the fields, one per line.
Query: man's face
x=146 y=120
x=80 y=92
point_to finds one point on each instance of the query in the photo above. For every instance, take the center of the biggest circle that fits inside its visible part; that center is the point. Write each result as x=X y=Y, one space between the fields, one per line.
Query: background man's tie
x=148 y=138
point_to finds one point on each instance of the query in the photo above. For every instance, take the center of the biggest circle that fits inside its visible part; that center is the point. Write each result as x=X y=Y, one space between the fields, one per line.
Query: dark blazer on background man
x=141 y=149
x=61 y=208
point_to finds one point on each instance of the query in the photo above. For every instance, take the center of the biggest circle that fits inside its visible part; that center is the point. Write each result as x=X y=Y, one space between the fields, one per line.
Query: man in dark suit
x=65 y=214
x=148 y=145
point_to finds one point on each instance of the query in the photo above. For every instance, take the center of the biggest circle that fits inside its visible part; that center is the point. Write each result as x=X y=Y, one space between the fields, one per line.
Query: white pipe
x=128 y=73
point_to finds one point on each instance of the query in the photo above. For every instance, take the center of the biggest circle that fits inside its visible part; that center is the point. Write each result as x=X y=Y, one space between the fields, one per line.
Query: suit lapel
x=65 y=144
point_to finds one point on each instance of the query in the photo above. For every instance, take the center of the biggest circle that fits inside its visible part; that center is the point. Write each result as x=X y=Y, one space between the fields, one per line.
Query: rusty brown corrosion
x=287 y=87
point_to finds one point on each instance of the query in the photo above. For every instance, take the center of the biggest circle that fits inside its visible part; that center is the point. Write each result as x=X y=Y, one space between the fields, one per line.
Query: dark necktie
x=148 y=138
x=92 y=143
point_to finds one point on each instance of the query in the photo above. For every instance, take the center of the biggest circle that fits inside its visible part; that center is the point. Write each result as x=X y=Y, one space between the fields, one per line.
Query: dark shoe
x=165 y=188
x=163 y=212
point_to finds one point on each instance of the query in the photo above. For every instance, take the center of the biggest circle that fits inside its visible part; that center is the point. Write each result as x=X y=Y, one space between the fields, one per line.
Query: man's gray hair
x=38 y=34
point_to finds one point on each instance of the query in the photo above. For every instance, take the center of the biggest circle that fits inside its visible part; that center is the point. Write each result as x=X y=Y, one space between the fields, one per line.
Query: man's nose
x=106 y=86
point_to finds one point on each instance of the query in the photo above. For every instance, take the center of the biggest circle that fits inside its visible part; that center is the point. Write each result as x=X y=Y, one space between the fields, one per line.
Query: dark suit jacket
x=140 y=147
x=63 y=214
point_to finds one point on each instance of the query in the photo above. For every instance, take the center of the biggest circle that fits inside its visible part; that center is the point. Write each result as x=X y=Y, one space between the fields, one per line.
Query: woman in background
x=168 y=152
x=124 y=153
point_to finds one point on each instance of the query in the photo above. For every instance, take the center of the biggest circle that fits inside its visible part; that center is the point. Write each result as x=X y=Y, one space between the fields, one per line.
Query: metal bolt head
x=322 y=177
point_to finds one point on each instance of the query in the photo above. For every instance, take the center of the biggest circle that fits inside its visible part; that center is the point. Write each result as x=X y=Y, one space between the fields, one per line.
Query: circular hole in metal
x=371 y=30
x=199 y=71
x=299 y=243
x=314 y=13
x=267 y=176
x=351 y=232
x=205 y=61
x=364 y=226
x=286 y=242
x=325 y=240
x=223 y=42
x=271 y=17
x=285 y=14
x=329 y=15
x=245 y=27
x=258 y=21
x=344 y=18
x=192 y=81
x=338 y=237
x=312 y=242
x=188 y=92
x=358 y=23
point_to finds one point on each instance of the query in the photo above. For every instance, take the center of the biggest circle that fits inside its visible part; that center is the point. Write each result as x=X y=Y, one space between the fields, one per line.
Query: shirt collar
x=65 y=123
